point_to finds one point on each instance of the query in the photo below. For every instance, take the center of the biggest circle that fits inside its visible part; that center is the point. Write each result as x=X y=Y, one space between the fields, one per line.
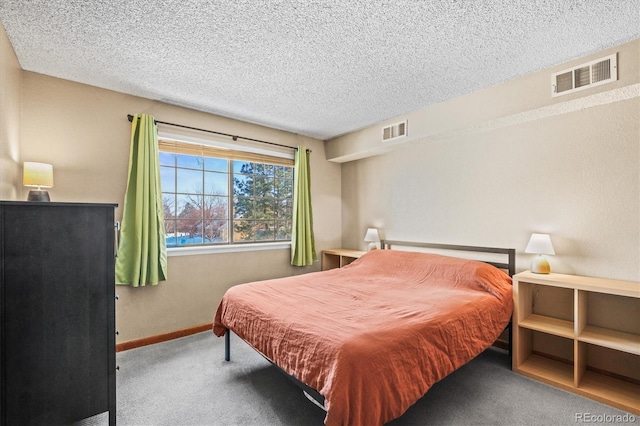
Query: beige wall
x=10 y=88
x=83 y=131
x=491 y=167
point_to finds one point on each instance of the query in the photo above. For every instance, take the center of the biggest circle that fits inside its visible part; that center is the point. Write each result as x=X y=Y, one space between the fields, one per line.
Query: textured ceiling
x=318 y=68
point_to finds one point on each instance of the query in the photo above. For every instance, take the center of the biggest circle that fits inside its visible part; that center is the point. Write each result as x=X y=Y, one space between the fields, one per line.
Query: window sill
x=227 y=248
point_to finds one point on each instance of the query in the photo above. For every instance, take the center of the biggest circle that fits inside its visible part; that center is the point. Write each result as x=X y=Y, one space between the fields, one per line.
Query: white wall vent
x=394 y=131
x=594 y=73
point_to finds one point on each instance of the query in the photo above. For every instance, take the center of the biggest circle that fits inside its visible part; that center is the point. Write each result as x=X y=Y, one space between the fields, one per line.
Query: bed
x=366 y=341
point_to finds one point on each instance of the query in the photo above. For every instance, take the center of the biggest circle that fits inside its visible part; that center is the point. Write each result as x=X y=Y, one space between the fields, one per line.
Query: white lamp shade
x=372 y=235
x=540 y=244
x=37 y=175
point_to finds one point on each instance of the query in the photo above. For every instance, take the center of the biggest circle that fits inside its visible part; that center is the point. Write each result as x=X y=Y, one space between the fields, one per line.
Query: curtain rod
x=234 y=137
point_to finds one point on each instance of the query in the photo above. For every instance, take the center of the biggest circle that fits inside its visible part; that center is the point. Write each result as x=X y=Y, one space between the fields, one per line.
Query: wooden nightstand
x=593 y=325
x=337 y=258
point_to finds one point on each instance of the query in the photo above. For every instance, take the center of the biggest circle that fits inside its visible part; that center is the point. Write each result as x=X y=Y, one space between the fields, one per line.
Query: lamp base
x=372 y=246
x=540 y=265
x=38 y=195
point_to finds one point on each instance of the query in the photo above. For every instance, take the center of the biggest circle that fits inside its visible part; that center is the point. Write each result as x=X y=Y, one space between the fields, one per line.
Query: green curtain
x=303 y=246
x=142 y=253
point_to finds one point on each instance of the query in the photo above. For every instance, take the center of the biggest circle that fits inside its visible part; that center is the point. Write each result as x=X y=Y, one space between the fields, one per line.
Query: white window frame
x=225 y=248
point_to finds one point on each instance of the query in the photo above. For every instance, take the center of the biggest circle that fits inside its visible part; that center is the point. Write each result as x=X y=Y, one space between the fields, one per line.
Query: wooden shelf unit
x=575 y=375
x=337 y=258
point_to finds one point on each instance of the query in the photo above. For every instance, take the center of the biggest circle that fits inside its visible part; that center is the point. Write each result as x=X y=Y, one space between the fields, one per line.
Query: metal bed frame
x=510 y=266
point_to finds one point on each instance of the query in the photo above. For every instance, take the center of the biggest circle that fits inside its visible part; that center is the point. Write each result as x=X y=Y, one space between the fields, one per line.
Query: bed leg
x=511 y=344
x=227 y=345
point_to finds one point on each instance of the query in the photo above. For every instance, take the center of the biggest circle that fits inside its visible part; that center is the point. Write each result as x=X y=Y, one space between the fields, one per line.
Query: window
x=220 y=196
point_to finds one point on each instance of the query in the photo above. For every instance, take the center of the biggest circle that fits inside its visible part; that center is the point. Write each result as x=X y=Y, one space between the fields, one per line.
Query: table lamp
x=540 y=244
x=39 y=176
x=372 y=238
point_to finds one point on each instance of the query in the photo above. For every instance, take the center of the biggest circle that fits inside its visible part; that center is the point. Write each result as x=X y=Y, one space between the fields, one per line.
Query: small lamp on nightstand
x=540 y=244
x=38 y=176
x=372 y=237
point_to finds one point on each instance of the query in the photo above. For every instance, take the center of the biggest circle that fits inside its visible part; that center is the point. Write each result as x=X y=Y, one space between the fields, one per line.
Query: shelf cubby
x=548 y=370
x=338 y=258
x=609 y=390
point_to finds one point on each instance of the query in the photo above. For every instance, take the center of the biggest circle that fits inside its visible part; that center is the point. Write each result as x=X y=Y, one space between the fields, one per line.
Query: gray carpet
x=187 y=382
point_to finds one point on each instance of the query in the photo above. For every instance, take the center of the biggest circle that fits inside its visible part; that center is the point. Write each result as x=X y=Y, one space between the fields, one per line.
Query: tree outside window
x=262 y=200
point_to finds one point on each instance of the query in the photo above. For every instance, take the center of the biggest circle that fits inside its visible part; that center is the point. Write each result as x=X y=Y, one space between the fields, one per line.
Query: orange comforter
x=374 y=336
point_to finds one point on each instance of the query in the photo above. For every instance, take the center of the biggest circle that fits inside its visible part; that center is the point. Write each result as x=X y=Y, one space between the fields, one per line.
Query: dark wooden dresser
x=57 y=313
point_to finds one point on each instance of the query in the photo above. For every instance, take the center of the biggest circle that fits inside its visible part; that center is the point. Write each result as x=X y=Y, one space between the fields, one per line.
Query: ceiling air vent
x=594 y=73
x=394 y=131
